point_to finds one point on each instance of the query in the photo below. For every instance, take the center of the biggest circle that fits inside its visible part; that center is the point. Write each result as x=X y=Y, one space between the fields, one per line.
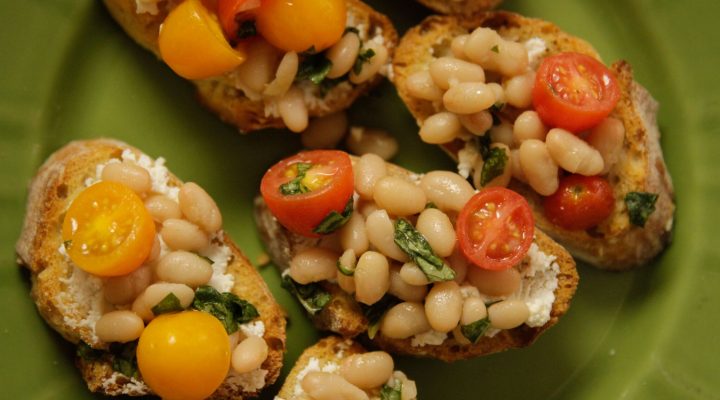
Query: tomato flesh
x=574 y=91
x=495 y=228
x=107 y=230
x=192 y=43
x=185 y=355
x=301 y=25
x=327 y=186
x=580 y=202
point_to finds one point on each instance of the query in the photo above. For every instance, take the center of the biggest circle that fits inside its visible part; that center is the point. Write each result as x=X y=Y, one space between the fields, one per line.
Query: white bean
x=184 y=267
x=327 y=386
x=325 y=132
x=403 y=290
x=421 y=85
x=447 y=71
x=508 y=314
x=499 y=92
x=162 y=207
x=372 y=141
x=129 y=174
x=370 y=68
x=478 y=47
x=501 y=180
x=572 y=153
x=437 y=228
x=284 y=76
x=459 y=264
x=368 y=370
x=349 y=261
x=258 y=68
x=353 y=235
x=495 y=283
x=528 y=125
x=292 y=110
x=539 y=167
x=502 y=133
x=404 y=320
x=443 y=306
x=180 y=234
x=156 y=292
x=342 y=55
x=369 y=169
x=511 y=59
x=518 y=90
x=517 y=171
x=608 y=138
x=119 y=326
x=313 y=264
x=372 y=277
x=249 y=354
x=457 y=46
x=123 y=289
x=477 y=123
x=199 y=208
x=473 y=310
x=447 y=190
x=468 y=98
x=440 y=128
x=381 y=234
x=399 y=196
x=411 y=274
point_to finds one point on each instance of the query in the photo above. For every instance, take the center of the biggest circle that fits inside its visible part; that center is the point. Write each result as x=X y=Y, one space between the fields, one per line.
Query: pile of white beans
x=186 y=227
x=483 y=69
x=268 y=74
x=365 y=245
x=359 y=377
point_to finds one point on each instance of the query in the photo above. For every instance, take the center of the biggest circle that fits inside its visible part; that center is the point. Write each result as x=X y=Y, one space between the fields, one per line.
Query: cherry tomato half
x=107 y=230
x=231 y=12
x=184 y=355
x=495 y=228
x=193 y=45
x=298 y=25
x=580 y=202
x=304 y=189
x=574 y=91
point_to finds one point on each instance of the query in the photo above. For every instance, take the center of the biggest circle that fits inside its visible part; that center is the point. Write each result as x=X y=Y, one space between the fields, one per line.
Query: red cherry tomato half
x=574 y=91
x=580 y=202
x=304 y=189
x=231 y=12
x=495 y=228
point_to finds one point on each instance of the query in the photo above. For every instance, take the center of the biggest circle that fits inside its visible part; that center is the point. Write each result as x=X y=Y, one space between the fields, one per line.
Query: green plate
x=69 y=72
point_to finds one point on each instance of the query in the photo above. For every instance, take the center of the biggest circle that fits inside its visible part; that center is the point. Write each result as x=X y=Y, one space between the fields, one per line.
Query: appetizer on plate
x=422 y=264
x=335 y=368
x=270 y=63
x=519 y=103
x=132 y=266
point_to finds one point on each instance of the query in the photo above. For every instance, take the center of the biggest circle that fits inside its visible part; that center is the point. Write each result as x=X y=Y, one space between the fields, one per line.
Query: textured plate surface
x=69 y=72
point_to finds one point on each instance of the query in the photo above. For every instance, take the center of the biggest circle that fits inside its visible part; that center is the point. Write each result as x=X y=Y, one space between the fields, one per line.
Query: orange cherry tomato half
x=232 y=12
x=107 y=230
x=193 y=45
x=495 y=228
x=323 y=181
x=185 y=355
x=299 y=25
x=580 y=202
x=574 y=91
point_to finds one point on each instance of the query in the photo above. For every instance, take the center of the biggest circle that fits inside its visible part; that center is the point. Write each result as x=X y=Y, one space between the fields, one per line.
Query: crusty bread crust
x=57 y=183
x=220 y=95
x=344 y=316
x=331 y=349
x=615 y=244
x=460 y=7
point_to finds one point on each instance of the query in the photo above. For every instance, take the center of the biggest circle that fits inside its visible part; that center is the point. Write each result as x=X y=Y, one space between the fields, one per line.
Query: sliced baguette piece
x=615 y=244
x=65 y=305
x=460 y=7
x=344 y=316
x=220 y=95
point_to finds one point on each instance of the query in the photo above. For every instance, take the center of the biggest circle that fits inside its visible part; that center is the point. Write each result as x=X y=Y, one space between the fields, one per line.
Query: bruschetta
x=268 y=65
x=420 y=264
x=123 y=256
x=517 y=102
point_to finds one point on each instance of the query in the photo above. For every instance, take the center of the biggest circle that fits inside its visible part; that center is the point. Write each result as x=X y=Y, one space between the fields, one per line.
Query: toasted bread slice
x=615 y=244
x=343 y=314
x=460 y=7
x=64 y=298
x=220 y=94
x=325 y=355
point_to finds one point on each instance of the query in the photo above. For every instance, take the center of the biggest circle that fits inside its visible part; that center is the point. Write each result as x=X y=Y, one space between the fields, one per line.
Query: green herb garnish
x=497 y=107
x=483 y=145
x=295 y=186
x=430 y=204
x=352 y=29
x=493 y=166
x=375 y=312
x=345 y=270
x=416 y=246
x=640 y=205
x=124 y=360
x=169 y=303
x=314 y=67
x=86 y=352
x=475 y=330
x=392 y=392
x=312 y=296
x=495 y=49
x=335 y=220
x=362 y=58
x=227 y=307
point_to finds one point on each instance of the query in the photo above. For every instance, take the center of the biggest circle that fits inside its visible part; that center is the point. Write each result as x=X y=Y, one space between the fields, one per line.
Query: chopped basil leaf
x=392 y=392
x=345 y=270
x=416 y=246
x=352 y=29
x=640 y=205
x=362 y=58
x=86 y=352
x=493 y=166
x=312 y=296
x=335 y=220
x=475 y=330
x=295 y=186
x=246 y=29
x=430 y=205
x=168 y=304
x=328 y=84
x=496 y=120
x=497 y=107
x=314 y=67
x=123 y=358
x=375 y=312
x=226 y=307
x=483 y=145
x=496 y=49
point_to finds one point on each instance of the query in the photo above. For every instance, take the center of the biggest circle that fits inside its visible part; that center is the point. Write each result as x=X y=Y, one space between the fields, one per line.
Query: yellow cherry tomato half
x=184 y=356
x=298 y=25
x=193 y=45
x=107 y=230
